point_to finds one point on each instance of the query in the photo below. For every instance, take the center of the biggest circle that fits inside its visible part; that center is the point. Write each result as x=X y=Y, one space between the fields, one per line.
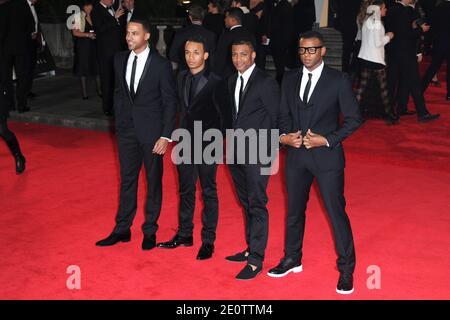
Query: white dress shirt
x=140 y=65
x=35 y=17
x=110 y=9
x=246 y=75
x=315 y=77
x=129 y=15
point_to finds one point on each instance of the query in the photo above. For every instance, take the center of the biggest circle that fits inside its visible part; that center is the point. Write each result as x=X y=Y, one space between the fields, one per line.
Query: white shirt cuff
x=170 y=140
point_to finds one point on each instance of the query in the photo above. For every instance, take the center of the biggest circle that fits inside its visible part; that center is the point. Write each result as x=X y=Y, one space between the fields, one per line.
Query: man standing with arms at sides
x=198 y=91
x=145 y=104
x=255 y=99
x=312 y=100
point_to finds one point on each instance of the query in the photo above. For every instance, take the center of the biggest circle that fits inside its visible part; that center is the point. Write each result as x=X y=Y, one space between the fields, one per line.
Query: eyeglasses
x=311 y=50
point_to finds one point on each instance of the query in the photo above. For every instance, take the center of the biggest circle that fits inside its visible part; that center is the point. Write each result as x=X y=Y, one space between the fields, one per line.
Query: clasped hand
x=311 y=140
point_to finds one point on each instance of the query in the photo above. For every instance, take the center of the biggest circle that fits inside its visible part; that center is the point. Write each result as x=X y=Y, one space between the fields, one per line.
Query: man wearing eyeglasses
x=312 y=100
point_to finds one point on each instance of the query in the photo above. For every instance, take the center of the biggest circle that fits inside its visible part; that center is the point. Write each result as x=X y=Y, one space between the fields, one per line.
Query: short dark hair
x=196 y=12
x=244 y=41
x=235 y=13
x=216 y=3
x=142 y=21
x=312 y=35
x=197 y=38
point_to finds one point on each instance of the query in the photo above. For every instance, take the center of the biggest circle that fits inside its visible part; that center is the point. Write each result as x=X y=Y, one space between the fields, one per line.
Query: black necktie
x=241 y=91
x=307 y=88
x=133 y=75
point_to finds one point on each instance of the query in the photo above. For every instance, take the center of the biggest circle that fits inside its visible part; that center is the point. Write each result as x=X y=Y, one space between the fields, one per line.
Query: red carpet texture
x=398 y=200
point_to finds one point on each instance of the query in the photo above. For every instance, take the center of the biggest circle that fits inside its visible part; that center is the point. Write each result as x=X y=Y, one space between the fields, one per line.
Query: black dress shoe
x=108 y=113
x=20 y=163
x=205 y=252
x=149 y=242
x=238 y=257
x=428 y=117
x=176 y=242
x=345 y=283
x=114 y=238
x=248 y=273
x=285 y=266
x=85 y=98
x=390 y=119
x=407 y=113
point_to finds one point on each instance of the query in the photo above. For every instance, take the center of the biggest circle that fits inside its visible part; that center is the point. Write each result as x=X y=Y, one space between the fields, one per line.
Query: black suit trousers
x=251 y=190
x=404 y=79
x=436 y=62
x=131 y=155
x=187 y=178
x=301 y=169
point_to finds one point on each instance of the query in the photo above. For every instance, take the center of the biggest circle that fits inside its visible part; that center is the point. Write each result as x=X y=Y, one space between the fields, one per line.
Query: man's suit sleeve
x=169 y=98
x=270 y=93
x=350 y=110
x=222 y=105
x=118 y=94
x=285 y=117
x=102 y=25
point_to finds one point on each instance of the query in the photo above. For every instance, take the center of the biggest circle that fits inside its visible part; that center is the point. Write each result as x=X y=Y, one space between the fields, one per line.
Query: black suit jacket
x=440 y=25
x=260 y=103
x=206 y=104
x=281 y=31
x=223 y=65
x=176 y=52
x=109 y=32
x=19 y=24
x=399 y=20
x=152 y=112
x=332 y=96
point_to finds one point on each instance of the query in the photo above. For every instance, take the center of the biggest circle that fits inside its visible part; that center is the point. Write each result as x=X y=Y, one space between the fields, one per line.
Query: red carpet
x=397 y=189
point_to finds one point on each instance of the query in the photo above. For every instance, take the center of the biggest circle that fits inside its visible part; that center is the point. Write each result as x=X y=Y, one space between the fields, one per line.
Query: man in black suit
x=440 y=25
x=145 y=104
x=250 y=20
x=223 y=65
x=403 y=67
x=109 y=41
x=199 y=93
x=313 y=98
x=281 y=34
x=255 y=99
x=196 y=16
x=214 y=19
x=21 y=43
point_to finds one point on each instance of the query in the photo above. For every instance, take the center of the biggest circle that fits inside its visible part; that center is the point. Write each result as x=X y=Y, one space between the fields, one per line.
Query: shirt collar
x=316 y=72
x=246 y=75
x=198 y=75
x=142 y=54
x=236 y=26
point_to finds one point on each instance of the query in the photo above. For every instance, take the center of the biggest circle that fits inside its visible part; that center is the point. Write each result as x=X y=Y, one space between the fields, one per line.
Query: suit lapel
x=231 y=89
x=246 y=89
x=144 y=73
x=124 y=77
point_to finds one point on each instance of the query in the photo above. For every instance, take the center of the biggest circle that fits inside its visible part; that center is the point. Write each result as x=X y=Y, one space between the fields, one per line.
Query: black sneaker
x=285 y=266
x=345 y=283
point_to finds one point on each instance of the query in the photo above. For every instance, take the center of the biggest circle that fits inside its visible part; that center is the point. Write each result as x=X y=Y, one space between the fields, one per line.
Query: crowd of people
x=221 y=81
